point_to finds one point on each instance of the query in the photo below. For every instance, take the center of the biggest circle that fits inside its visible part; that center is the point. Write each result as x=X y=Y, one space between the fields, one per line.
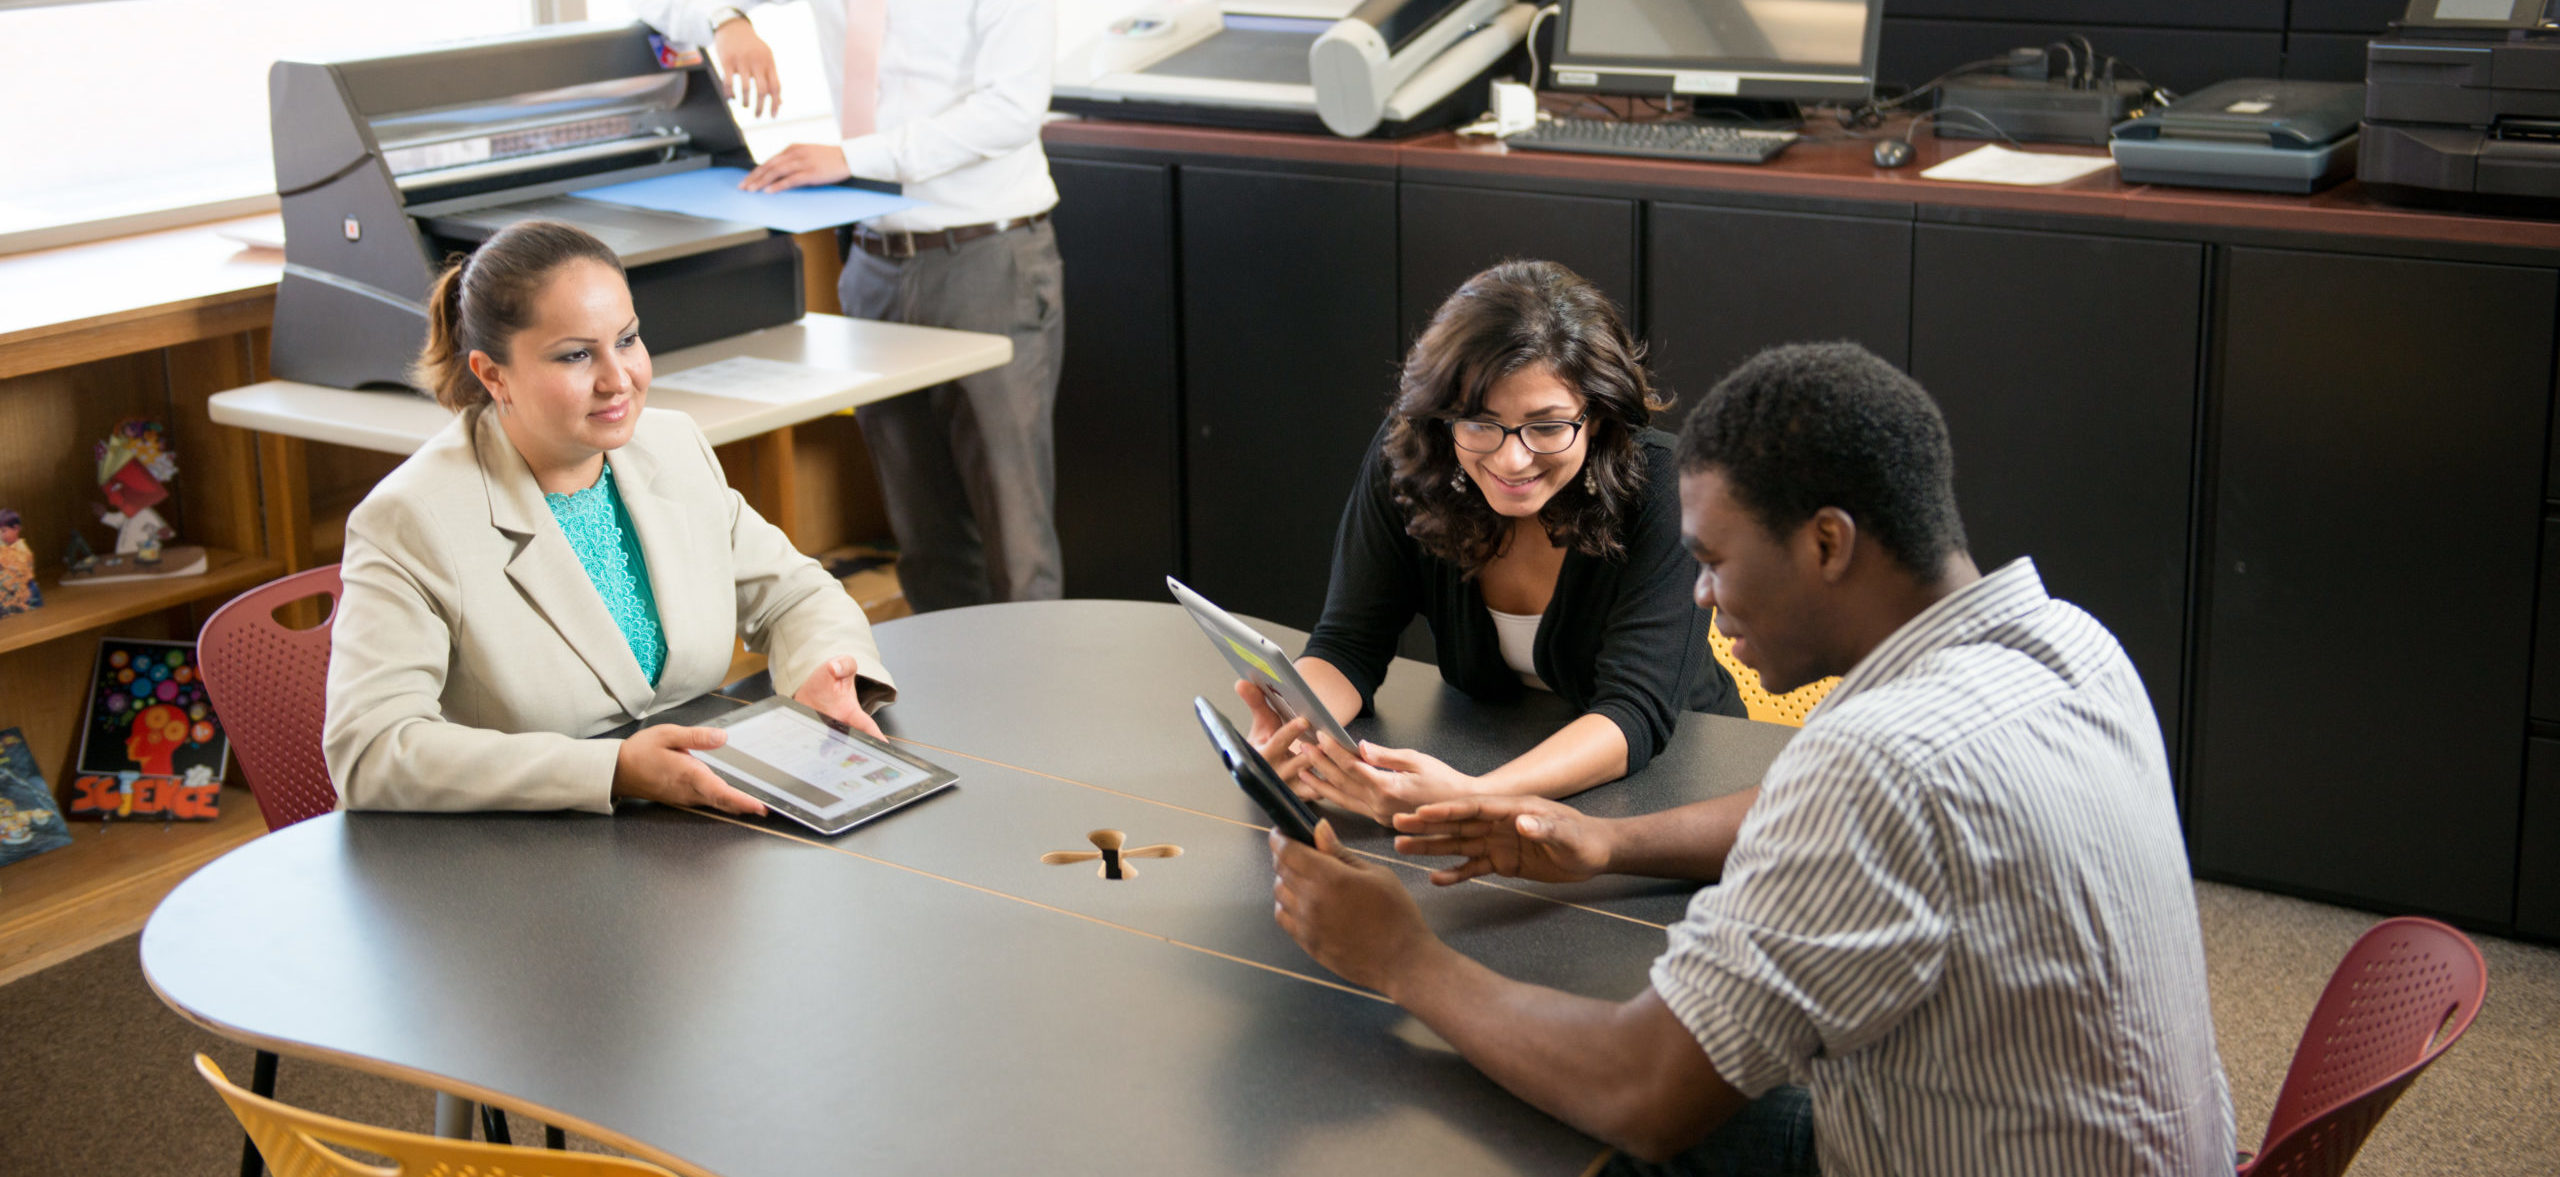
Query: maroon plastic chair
x=2404 y=994
x=269 y=684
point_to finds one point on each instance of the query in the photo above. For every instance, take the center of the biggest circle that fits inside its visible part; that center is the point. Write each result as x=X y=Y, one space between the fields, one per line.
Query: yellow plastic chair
x=298 y=1144
x=1789 y=708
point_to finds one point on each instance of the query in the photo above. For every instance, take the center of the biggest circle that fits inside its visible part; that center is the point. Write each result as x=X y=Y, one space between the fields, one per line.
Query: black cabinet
x=1449 y=233
x=2066 y=367
x=2546 y=631
x=2538 y=863
x=1289 y=363
x=2368 y=608
x=1119 y=393
x=1723 y=283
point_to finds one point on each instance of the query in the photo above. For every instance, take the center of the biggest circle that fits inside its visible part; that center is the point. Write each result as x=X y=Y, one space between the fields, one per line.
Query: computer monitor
x=1720 y=52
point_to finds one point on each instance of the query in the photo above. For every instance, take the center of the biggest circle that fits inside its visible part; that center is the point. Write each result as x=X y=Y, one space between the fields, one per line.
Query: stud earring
x=1458 y=481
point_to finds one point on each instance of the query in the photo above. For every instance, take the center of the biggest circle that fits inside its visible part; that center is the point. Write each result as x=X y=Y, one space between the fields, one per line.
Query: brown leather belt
x=896 y=244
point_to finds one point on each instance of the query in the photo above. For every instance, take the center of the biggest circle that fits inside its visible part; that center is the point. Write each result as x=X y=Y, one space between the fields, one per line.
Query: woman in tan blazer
x=560 y=561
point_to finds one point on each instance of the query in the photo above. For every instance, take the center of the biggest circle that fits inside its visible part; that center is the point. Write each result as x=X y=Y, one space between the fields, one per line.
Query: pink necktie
x=866 y=25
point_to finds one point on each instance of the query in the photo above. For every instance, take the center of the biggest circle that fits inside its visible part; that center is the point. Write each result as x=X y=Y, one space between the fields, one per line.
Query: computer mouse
x=1892 y=153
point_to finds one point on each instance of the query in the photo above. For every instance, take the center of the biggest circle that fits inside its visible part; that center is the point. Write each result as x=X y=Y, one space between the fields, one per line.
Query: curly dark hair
x=1813 y=425
x=1517 y=315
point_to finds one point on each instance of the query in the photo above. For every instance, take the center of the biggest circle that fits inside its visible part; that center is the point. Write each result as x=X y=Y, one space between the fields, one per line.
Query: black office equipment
x=2462 y=105
x=1681 y=139
x=1253 y=775
x=1756 y=57
x=385 y=165
x=2253 y=133
x=2040 y=110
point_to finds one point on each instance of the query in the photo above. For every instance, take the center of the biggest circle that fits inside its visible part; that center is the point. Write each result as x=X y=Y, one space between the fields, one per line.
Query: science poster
x=151 y=746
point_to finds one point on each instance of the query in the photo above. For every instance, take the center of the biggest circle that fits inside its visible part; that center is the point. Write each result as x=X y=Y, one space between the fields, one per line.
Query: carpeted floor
x=95 y=1078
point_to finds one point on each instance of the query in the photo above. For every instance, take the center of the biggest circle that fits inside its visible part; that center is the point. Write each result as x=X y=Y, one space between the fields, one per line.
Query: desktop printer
x=386 y=165
x=2255 y=133
x=1353 y=67
x=2462 y=105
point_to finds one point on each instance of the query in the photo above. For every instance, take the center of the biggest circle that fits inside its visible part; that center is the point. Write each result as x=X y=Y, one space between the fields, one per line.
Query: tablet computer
x=1253 y=774
x=1261 y=663
x=814 y=769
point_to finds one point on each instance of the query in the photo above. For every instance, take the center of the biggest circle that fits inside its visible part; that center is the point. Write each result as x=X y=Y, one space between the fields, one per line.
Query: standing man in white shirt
x=945 y=98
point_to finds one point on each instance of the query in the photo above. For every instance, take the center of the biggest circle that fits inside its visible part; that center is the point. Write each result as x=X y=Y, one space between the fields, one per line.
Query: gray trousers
x=967 y=468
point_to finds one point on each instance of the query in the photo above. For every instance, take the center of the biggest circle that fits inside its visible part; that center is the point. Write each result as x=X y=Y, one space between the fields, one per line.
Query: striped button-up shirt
x=1960 y=914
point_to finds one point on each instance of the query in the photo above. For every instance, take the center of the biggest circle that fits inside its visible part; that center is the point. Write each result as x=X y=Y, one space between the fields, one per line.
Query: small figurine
x=134 y=468
x=18 y=591
x=78 y=556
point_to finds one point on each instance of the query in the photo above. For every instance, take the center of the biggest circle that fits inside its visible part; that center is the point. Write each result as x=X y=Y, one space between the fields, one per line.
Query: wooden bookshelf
x=103 y=885
x=69 y=611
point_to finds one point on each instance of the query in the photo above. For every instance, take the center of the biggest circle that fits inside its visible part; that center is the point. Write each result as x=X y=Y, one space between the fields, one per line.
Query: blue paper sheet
x=714 y=193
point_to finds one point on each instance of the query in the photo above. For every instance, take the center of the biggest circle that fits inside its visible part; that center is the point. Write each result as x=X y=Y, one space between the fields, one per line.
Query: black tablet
x=1253 y=775
x=815 y=770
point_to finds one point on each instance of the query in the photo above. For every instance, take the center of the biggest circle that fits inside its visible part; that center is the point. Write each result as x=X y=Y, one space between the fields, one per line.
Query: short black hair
x=1812 y=425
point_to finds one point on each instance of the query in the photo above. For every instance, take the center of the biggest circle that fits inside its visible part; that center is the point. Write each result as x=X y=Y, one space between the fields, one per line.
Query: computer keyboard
x=1706 y=142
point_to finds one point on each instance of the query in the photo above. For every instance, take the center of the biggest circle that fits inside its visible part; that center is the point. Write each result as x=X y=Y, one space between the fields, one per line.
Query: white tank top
x=1518 y=633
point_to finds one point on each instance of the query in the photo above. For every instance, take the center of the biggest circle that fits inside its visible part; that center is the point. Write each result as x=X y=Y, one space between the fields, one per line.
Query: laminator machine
x=1353 y=67
x=387 y=165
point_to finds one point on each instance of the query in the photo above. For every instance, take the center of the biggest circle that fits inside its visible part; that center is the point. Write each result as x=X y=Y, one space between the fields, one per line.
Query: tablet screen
x=792 y=754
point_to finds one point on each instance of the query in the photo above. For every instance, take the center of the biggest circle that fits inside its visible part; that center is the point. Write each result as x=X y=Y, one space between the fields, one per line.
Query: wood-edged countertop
x=78 y=303
x=1830 y=165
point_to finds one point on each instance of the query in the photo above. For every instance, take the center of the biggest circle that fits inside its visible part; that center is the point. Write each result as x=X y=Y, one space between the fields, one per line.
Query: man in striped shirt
x=1953 y=931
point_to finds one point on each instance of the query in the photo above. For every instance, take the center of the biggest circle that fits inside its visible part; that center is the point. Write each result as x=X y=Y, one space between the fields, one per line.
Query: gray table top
x=923 y=995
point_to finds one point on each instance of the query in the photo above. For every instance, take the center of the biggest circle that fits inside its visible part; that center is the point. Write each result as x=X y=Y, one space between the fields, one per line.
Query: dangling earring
x=1591 y=482
x=1458 y=481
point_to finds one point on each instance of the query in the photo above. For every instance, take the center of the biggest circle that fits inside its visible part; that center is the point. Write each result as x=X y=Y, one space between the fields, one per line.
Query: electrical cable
x=2088 y=61
x=1987 y=121
x=1532 y=41
x=1931 y=86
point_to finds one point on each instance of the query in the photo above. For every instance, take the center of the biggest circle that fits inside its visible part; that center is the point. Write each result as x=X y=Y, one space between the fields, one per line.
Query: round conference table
x=923 y=994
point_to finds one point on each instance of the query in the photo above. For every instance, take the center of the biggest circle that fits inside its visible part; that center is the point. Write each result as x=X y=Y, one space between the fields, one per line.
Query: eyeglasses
x=1541 y=437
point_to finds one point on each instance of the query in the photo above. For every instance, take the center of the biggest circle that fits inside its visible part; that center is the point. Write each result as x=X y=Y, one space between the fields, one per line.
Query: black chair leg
x=262 y=1081
x=554 y=1139
x=493 y=1125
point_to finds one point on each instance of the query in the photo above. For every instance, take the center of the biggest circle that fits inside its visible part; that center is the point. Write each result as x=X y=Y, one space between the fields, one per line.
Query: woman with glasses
x=1519 y=501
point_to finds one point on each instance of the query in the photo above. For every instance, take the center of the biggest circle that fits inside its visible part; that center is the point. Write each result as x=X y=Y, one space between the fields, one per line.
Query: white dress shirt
x=1959 y=912
x=963 y=86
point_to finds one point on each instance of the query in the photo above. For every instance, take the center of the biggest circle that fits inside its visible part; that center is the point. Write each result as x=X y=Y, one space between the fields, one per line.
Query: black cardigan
x=1621 y=638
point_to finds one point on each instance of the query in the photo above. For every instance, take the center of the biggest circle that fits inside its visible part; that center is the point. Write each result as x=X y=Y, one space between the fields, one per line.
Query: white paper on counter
x=772 y=382
x=1993 y=164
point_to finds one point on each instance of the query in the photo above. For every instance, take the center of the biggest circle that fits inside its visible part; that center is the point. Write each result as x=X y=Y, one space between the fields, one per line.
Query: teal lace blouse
x=599 y=529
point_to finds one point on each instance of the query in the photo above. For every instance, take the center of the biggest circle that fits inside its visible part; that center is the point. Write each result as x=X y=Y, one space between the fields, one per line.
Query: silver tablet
x=815 y=770
x=1261 y=663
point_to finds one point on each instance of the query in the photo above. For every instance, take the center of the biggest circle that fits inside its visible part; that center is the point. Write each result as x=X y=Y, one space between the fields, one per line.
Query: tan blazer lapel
x=546 y=570
x=695 y=610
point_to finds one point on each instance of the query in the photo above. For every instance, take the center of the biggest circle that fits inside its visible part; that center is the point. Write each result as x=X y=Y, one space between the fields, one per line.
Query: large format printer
x=1353 y=67
x=2462 y=105
x=387 y=165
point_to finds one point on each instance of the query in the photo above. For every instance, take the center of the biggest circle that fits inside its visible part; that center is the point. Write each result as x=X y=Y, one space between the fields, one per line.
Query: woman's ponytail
x=444 y=367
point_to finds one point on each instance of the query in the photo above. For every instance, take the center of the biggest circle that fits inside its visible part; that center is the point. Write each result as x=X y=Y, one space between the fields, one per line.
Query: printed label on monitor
x=1705 y=81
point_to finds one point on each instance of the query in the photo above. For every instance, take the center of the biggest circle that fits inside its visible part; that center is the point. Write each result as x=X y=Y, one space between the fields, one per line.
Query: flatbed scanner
x=386 y=165
x=2251 y=133
x=1353 y=67
x=2462 y=106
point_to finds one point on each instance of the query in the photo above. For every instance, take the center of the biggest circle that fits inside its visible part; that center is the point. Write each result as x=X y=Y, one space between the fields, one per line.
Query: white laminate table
x=871 y=361
x=874 y=361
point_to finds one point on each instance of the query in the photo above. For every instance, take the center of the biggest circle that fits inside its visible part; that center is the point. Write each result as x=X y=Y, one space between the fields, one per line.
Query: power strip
x=2036 y=111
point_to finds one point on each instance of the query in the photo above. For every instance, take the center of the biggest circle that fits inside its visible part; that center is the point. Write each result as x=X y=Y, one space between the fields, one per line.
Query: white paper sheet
x=771 y=382
x=1993 y=164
